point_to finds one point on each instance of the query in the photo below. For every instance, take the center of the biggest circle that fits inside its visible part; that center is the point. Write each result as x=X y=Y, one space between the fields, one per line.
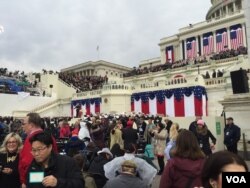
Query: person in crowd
x=129 y=135
x=116 y=135
x=231 y=135
x=150 y=126
x=96 y=166
x=193 y=125
x=74 y=145
x=117 y=151
x=84 y=131
x=145 y=171
x=76 y=128
x=49 y=169
x=78 y=108
x=214 y=74
x=141 y=127
x=31 y=126
x=168 y=123
x=221 y=161
x=97 y=133
x=9 y=157
x=173 y=133
x=207 y=75
x=160 y=136
x=88 y=178
x=127 y=177
x=184 y=169
x=203 y=134
x=64 y=129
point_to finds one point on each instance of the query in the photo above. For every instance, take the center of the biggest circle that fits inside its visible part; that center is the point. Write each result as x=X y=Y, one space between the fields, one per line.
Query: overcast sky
x=55 y=34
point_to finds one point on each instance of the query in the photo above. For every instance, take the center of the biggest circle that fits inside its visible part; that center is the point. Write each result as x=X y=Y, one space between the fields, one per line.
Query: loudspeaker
x=239 y=81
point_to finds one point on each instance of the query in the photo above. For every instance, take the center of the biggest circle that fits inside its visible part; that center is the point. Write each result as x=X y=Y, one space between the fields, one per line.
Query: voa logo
x=236 y=179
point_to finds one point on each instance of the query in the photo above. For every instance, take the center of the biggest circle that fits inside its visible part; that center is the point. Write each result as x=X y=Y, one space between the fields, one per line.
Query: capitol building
x=203 y=70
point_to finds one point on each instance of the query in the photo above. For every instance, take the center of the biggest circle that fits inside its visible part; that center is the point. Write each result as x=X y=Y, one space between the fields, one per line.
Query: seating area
x=14 y=82
x=83 y=83
x=229 y=53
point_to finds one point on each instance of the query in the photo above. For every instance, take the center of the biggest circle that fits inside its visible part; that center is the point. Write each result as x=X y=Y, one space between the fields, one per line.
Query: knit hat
x=200 y=122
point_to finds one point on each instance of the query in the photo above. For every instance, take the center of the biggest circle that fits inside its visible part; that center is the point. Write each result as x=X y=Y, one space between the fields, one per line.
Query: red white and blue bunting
x=180 y=102
x=88 y=106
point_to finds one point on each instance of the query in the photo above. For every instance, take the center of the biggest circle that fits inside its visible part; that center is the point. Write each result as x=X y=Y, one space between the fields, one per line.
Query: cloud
x=60 y=33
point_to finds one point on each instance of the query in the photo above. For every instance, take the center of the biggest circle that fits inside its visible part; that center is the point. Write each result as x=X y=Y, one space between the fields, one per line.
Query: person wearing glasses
x=9 y=157
x=49 y=169
x=31 y=125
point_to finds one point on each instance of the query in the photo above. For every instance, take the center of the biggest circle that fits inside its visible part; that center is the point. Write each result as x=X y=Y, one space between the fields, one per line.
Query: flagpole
x=98 y=52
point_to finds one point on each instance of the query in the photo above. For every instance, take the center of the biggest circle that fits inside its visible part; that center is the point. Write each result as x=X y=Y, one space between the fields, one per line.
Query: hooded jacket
x=181 y=172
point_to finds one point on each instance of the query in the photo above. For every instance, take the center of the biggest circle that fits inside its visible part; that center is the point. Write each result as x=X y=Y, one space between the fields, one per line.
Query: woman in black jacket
x=203 y=134
x=9 y=157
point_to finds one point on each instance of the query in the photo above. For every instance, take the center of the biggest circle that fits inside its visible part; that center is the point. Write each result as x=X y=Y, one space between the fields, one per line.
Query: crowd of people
x=83 y=83
x=156 y=68
x=228 y=53
x=114 y=151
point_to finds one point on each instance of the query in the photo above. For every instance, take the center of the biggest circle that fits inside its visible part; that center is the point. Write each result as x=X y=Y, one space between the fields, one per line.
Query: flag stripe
x=236 y=38
x=179 y=108
x=208 y=44
x=189 y=105
x=152 y=106
x=161 y=107
x=169 y=105
x=170 y=54
x=191 y=48
x=221 y=40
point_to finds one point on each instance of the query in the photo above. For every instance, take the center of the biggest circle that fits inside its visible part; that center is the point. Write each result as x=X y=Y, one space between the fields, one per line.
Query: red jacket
x=25 y=157
x=180 y=171
x=65 y=132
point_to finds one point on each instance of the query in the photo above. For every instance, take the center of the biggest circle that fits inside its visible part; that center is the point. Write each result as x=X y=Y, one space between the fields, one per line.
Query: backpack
x=149 y=151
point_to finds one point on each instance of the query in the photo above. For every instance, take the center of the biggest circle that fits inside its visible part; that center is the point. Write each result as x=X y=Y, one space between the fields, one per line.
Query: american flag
x=191 y=48
x=170 y=54
x=221 y=40
x=236 y=36
x=208 y=43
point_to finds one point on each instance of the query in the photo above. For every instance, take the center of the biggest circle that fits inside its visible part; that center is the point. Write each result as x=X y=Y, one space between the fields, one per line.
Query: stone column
x=246 y=7
x=243 y=27
x=228 y=38
x=180 y=51
x=197 y=46
x=185 y=48
x=201 y=52
x=214 y=34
